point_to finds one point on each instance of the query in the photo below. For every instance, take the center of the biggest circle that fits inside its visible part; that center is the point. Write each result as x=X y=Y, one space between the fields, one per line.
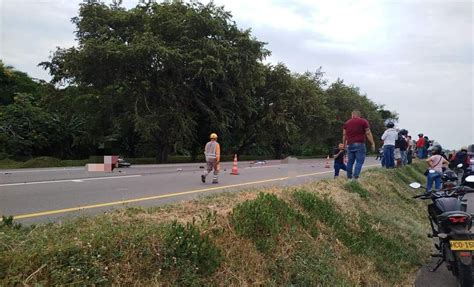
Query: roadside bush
x=262 y=219
x=44 y=161
x=188 y=253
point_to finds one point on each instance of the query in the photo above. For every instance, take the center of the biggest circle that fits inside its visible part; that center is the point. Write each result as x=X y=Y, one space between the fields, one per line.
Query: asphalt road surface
x=51 y=194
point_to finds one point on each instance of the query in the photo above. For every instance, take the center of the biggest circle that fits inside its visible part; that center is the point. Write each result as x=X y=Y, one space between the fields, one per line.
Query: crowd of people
x=399 y=149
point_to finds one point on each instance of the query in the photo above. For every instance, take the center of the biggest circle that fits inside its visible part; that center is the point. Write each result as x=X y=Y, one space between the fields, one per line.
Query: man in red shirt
x=420 y=146
x=354 y=133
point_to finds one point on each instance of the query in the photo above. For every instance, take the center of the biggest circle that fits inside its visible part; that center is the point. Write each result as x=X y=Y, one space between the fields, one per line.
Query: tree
x=177 y=67
x=13 y=82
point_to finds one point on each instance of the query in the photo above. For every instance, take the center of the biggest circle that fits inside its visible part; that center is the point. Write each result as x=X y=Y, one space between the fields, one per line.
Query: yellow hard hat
x=213 y=136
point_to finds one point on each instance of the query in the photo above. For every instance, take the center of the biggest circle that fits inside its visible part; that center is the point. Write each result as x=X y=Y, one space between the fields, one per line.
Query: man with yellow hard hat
x=212 y=152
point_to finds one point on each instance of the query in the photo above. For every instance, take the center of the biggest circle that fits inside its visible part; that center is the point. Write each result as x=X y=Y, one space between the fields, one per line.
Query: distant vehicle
x=122 y=163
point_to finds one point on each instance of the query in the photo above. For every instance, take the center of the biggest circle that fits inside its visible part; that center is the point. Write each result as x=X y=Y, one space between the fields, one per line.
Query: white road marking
x=69 y=180
x=39 y=170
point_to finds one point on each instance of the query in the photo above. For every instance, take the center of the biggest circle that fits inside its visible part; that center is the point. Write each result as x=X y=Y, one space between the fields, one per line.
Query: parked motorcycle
x=451 y=225
x=452 y=178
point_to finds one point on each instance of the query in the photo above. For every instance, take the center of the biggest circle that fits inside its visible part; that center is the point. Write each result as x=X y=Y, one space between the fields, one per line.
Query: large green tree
x=177 y=70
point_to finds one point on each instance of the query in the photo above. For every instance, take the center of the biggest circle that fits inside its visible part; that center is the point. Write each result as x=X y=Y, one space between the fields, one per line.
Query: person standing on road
x=212 y=152
x=389 y=137
x=339 y=164
x=354 y=133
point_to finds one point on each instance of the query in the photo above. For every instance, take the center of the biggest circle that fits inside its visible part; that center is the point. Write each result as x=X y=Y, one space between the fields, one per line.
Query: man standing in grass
x=212 y=151
x=354 y=133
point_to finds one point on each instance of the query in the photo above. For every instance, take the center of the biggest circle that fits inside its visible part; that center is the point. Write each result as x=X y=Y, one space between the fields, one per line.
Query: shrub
x=262 y=219
x=189 y=253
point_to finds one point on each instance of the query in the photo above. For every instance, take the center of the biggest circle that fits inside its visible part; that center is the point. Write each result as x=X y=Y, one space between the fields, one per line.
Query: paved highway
x=49 y=194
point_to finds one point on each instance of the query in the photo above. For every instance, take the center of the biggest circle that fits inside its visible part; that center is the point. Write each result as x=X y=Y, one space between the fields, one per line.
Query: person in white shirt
x=389 y=137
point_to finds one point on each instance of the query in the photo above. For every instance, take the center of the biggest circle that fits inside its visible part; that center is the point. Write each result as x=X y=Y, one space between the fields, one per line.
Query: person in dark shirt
x=339 y=164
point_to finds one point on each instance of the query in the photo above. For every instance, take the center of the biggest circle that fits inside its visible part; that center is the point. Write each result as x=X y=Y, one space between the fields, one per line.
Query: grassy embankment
x=326 y=233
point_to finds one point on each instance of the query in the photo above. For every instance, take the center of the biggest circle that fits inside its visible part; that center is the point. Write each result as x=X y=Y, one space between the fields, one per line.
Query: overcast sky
x=416 y=57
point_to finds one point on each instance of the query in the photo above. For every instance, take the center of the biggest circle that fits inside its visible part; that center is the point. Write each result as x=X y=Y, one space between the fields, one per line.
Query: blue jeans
x=337 y=167
x=404 y=156
x=436 y=177
x=388 y=155
x=425 y=153
x=356 y=154
x=420 y=153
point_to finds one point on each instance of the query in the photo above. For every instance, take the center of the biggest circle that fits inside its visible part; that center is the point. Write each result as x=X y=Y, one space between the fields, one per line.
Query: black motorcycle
x=451 y=224
x=453 y=177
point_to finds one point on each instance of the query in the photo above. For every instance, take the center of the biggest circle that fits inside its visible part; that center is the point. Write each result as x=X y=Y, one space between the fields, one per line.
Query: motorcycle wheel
x=464 y=274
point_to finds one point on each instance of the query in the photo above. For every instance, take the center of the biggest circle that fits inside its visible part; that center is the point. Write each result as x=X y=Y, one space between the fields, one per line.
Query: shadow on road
x=440 y=278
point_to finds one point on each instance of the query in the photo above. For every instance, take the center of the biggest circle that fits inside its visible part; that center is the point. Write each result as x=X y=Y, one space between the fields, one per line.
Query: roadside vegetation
x=194 y=71
x=326 y=233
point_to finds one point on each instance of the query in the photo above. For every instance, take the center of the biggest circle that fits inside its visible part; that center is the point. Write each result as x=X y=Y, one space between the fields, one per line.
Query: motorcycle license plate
x=462 y=244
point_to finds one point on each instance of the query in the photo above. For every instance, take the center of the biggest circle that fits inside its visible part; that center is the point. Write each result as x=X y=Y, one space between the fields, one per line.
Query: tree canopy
x=158 y=78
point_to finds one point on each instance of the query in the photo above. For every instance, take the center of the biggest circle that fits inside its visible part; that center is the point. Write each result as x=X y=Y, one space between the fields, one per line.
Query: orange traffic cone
x=327 y=163
x=235 y=168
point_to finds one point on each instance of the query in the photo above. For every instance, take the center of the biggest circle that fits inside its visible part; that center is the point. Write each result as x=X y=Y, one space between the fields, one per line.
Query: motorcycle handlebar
x=463 y=189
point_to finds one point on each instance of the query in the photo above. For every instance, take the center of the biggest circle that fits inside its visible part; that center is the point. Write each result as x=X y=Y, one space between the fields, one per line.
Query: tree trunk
x=194 y=152
x=278 y=149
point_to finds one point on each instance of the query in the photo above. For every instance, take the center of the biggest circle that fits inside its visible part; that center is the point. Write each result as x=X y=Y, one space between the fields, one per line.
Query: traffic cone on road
x=235 y=168
x=327 y=163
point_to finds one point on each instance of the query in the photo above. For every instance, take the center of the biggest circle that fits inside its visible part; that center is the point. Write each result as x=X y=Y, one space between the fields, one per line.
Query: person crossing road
x=212 y=152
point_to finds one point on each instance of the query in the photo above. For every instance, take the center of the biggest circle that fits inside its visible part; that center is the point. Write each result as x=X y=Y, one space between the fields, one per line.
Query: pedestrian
x=403 y=146
x=354 y=134
x=435 y=162
x=411 y=150
x=380 y=155
x=212 y=152
x=461 y=157
x=427 y=146
x=389 y=137
x=339 y=164
x=420 y=144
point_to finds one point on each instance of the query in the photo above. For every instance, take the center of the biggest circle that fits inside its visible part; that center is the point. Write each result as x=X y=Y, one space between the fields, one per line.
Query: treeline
x=157 y=79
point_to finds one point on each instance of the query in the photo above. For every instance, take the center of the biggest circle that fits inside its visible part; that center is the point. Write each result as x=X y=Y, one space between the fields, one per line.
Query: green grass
x=368 y=233
x=103 y=251
x=41 y=162
x=356 y=187
x=389 y=250
x=263 y=219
